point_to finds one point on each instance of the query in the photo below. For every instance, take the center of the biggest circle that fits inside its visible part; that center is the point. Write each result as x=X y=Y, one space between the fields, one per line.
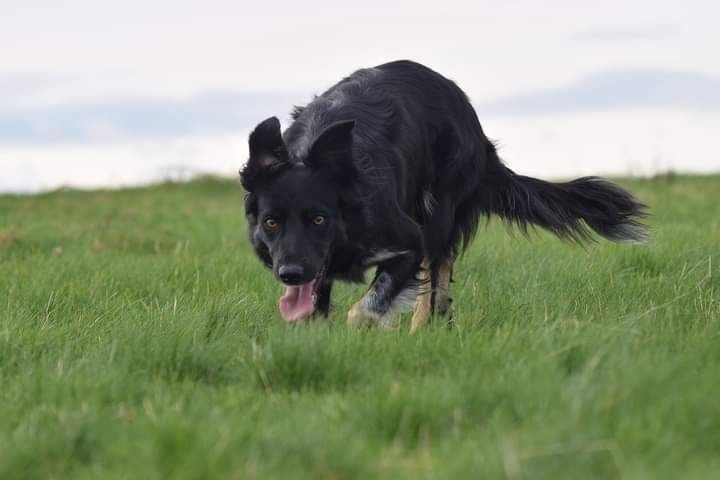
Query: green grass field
x=140 y=338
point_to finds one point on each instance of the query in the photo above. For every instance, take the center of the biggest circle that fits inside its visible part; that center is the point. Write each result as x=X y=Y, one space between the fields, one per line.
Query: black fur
x=394 y=157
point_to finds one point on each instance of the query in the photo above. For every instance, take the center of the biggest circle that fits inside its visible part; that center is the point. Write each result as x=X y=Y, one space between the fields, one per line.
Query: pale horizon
x=108 y=95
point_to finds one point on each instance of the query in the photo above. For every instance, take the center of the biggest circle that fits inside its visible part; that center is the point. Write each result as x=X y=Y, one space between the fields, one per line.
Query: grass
x=140 y=338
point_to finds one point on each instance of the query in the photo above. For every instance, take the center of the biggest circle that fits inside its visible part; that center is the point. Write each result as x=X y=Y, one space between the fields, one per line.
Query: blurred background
x=105 y=94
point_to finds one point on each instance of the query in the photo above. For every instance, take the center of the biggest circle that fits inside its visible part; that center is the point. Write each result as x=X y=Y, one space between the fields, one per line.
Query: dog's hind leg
x=423 y=303
x=440 y=239
x=443 y=276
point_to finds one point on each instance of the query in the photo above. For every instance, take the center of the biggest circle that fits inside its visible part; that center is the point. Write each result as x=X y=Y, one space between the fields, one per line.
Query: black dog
x=390 y=168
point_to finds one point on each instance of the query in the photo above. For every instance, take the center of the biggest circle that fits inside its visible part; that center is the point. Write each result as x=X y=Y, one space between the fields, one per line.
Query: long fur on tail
x=570 y=210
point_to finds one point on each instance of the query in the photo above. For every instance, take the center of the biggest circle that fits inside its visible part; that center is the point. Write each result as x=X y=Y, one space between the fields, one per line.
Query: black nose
x=291 y=274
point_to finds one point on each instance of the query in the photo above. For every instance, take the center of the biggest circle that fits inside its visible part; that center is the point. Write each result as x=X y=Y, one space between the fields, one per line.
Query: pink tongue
x=297 y=303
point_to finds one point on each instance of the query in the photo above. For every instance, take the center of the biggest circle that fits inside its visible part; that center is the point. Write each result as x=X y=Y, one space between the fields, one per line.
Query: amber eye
x=319 y=220
x=270 y=223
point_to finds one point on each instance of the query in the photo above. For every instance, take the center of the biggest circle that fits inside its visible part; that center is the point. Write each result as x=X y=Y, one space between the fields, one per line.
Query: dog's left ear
x=332 y=150
x=267 y=153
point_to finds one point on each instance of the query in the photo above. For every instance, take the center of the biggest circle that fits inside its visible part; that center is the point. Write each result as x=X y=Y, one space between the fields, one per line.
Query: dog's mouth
x=298 y=302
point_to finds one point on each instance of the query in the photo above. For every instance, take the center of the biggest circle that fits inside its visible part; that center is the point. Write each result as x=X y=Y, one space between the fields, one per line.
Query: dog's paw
x=443 y=306
x=358 y=316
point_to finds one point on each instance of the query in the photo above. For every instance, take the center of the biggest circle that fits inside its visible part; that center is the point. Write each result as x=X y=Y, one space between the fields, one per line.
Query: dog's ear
x=267 y=153
x=332 y=150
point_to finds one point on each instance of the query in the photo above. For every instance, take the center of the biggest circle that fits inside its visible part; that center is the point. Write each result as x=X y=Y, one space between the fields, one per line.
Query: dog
x=390 y=168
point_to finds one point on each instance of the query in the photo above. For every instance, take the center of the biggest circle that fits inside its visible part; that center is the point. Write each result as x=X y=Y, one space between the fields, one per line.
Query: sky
x=103 y=94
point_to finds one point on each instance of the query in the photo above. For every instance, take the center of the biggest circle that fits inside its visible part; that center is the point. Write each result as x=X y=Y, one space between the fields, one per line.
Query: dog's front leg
x=322 y=299
x=395 y=286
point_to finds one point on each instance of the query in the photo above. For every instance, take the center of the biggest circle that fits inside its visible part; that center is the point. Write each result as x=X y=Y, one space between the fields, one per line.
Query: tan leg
x=423 y=304
x=442 y=289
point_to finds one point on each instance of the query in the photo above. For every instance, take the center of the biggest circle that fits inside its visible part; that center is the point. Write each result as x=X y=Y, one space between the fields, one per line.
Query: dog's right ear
x=267 y=153
x=332 y=151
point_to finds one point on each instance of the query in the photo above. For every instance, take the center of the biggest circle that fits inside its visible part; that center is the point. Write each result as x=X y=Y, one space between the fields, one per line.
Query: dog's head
x=294 y=208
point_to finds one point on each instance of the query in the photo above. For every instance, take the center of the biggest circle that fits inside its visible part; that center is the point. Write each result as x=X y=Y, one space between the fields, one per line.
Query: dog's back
x=417 y=138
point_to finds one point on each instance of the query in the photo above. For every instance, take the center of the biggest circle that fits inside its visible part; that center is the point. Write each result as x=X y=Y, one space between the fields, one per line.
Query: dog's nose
x=291 y=274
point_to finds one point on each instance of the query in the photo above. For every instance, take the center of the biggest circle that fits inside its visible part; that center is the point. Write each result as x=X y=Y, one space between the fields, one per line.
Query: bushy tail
x=569 y=210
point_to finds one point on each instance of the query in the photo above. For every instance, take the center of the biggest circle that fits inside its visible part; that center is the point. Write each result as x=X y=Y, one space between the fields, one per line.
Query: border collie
x=390 y=169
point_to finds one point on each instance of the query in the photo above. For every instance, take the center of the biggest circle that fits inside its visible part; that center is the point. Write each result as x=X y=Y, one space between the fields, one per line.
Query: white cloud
x=615 y=33
x=643 y=143
x=164 y=48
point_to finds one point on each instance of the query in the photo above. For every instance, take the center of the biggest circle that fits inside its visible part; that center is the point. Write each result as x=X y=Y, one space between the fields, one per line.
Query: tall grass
x=139 y=338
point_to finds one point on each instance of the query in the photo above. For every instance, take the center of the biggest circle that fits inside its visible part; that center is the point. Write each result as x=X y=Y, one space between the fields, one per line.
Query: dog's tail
x=570 y=210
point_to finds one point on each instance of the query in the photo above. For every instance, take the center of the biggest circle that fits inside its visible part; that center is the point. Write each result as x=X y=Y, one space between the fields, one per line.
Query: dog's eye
x=319 y=220
x=270 y=223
